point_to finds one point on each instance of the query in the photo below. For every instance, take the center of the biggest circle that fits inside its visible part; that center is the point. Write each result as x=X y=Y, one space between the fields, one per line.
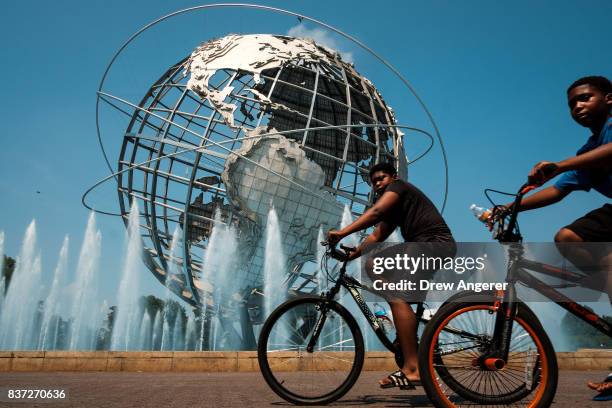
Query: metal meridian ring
x=177 y=153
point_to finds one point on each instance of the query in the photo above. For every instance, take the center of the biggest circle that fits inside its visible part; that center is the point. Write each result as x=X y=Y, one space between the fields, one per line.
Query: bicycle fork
x=505 y=307
x=318 y=327
x=325 y=300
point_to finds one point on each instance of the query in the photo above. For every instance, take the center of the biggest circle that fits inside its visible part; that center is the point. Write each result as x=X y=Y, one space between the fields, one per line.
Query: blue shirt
x=592 y=178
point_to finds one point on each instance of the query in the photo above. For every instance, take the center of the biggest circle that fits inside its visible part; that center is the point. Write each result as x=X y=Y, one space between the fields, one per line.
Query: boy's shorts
x=596 y=226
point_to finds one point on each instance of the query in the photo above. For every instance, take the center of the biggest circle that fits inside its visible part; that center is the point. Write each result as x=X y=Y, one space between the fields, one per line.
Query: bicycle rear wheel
x=460 y=333
x=310 y=378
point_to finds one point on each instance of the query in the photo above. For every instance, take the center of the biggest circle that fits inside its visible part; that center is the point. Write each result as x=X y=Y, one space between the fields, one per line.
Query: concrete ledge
x=585 y=359
x=227 y=361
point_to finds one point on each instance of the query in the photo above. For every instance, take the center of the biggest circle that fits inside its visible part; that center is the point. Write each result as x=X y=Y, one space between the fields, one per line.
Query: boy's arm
x=371 y=217
x=382 y=232
x=600 y=157
x=542 y=198
x=597 y=158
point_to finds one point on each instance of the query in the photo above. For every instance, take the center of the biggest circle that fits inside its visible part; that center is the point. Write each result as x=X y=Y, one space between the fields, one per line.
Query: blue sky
x=493 y=74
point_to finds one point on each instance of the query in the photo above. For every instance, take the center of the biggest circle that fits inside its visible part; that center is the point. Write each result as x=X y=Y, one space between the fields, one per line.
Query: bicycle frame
x=353 y=286
x=565 y=302
x=506 y=304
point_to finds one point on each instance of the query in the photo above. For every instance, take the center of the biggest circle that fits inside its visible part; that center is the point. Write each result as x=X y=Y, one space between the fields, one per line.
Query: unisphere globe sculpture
x=243 y=124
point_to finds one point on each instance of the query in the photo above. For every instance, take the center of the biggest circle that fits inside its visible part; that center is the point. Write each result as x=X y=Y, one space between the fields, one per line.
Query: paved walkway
x=112 y=390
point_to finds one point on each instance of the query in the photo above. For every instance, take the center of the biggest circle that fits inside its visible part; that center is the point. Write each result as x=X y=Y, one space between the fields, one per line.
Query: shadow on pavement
x=387 y=400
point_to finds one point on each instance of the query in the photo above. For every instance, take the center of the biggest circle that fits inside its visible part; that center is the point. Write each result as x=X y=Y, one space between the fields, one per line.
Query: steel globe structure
x=243 y=124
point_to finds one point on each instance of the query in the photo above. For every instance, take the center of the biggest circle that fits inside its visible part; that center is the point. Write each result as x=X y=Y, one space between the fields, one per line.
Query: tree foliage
x=582 y=335
x=8 y=267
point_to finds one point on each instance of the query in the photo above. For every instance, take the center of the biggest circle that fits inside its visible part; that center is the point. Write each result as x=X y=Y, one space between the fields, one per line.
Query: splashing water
x=395 y=237
x=39 y=324
x=99 y=322
x=177 y=336
x=174 y=266
x=190 y=333
x=274 y=264
x=124 y=331
x=201 y=329
x=83 y=305
x=48 y=332
x=219 y=266
x=347 y=219
x=173 y=270
x=144 y=333
x=157 y=328
x=165 y=334
x=321 y=276
x=353 y=269
x=21 y=304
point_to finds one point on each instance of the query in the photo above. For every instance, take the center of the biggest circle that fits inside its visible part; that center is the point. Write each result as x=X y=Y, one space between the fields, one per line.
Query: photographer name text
x=425 y=284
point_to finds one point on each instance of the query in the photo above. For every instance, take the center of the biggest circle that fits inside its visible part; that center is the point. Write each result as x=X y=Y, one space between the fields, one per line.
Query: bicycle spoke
x=335 y=344
x=449 y=352
x=459 y=373
x=296 y=372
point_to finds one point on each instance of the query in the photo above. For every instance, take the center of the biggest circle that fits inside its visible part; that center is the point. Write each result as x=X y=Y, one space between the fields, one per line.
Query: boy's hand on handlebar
x=498 y=212
x=542 y=172
x=354 y=254
x=333 y=237
x=344 y=254
x=490 y=220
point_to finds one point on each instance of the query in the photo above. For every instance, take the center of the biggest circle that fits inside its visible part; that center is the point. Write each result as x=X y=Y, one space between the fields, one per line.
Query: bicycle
x=313 y=336
x=309 y=337
x=513 y=359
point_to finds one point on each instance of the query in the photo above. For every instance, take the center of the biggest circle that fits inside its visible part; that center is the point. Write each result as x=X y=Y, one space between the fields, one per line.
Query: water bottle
x=383 y=318
x=482 y=214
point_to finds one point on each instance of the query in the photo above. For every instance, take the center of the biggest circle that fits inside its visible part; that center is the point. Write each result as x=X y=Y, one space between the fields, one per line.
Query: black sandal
x=399 y=379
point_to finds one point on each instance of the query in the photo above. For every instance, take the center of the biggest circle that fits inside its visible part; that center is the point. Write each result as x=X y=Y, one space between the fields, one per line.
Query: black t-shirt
x=417 y=217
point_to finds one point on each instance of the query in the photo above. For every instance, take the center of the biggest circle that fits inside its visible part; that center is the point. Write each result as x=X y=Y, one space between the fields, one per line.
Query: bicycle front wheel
x=310 y=378
x=456 y=339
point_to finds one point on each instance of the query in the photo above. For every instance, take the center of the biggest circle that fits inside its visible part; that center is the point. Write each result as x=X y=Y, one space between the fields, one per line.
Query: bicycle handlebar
x=508 y=234
x=334 y=253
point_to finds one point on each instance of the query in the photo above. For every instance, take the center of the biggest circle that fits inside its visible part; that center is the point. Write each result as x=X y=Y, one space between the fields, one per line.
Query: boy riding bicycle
x=399 y=204
x=590 y=103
